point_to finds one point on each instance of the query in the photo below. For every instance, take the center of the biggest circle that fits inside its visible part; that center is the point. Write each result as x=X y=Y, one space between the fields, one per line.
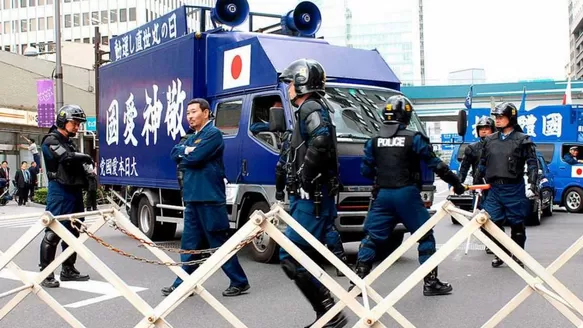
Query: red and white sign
x=237 y=67
x=577 y=171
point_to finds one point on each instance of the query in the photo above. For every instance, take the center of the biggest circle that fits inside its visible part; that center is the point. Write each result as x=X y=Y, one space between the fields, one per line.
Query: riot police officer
x=502 y=164
x=393 y=159
x=68 y=172
x=473 y=152
x=311 y=175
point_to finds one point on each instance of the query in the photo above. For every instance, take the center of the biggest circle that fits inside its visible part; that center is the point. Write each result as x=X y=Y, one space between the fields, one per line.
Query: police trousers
x=208 y=224
x=508 y=203
x=60 y=200
x=302 y=210
x=390 y=207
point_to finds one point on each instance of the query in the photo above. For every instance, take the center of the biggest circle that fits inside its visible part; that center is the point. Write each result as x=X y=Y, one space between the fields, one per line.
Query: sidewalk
x=12 y=208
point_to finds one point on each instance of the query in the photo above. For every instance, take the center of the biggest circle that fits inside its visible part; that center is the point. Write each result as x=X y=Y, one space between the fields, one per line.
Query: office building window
x=86 y=40
x=104 y=17
x=6 y=27
x=86 y=19
x=76 y=20
x=41 y=23
x=50 y=23
x=7 y=4
x=23 y=25
x=68 y=20
x=113 y=16
x=123 y=15
x=94 y=18
x=104 y=40
x=49 y=2
x=23 y=3
x=41 y=2
x=132 y=12
x=32 y=24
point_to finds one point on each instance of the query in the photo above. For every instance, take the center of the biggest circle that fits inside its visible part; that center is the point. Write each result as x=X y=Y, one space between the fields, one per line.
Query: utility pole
x=59 y=67
x=98 y=62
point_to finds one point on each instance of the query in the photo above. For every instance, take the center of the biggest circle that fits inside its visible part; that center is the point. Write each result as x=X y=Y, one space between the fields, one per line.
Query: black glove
x=460 y=189
x=280 y=195
x=83 y=158
x=307 y=185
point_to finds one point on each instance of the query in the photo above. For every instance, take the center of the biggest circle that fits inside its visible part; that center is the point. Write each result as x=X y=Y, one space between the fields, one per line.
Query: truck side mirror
x=462 y=123
x=277 y=119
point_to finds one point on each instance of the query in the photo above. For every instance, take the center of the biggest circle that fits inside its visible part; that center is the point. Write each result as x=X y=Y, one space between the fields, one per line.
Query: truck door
x=261 y=147
x=228 y=119
x=569 y=179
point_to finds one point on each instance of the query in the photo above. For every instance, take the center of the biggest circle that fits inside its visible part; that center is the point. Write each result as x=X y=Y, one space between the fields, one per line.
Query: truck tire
x=547 y=193
x=574 y=200
x=148 y=224
x=263 y=249
x=536 y=214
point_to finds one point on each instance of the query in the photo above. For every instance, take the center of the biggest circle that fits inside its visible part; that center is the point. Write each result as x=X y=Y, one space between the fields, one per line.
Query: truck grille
x=354 y=203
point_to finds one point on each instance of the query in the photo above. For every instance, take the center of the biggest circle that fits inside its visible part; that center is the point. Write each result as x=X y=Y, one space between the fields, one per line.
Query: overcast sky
x=511 y=39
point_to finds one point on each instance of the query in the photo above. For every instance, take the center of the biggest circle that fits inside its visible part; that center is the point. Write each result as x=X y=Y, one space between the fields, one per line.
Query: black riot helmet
x=399 y=109
x=70 y=113
x=307 y=75
x=485 y=122
x=509 y=110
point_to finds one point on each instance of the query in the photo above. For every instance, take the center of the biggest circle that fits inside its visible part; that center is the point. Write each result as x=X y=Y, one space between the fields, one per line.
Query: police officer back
x=206 y=219
x=67 y=172
x=312 y=177
x=473 y=152
x=502 y=164
x=393 y=159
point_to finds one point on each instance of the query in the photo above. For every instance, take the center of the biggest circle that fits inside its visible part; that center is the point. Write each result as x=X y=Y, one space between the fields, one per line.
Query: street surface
x=273 y=300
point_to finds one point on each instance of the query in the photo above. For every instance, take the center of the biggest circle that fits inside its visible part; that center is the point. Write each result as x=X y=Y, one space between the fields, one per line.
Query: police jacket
x=504 y=157
x=393 y=158
x=179 y=169
x=64 y=164
x=569 y=159
x=471 y=160
x=204 y=171
x=313 y=143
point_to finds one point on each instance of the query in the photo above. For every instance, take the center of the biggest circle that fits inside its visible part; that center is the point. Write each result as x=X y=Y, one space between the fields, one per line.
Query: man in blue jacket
x=571 y=157
x=205 y=216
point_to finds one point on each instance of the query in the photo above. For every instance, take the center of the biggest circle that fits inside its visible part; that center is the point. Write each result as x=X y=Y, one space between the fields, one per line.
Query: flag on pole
x=492 y=103
x=469 y=98
x=567 y=96
x=523 y=103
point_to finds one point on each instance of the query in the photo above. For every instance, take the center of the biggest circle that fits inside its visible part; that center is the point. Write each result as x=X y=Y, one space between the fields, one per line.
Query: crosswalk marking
x=28 y=222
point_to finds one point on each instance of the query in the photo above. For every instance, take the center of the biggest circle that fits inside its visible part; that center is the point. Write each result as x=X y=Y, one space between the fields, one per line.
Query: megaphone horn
x=305 y=19
x=230 y=12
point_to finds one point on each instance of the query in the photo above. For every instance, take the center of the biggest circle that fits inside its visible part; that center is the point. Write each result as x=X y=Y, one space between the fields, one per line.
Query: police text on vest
x=391 y=142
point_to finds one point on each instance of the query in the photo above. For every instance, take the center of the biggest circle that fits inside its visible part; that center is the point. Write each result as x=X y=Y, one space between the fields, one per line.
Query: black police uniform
x=393 y=160
x=311 y=167
x=67 y=172
x=502 y=165
x=473 y=152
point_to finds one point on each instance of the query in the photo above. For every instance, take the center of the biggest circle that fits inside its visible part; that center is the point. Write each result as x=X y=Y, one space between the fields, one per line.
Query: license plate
x=427 y=196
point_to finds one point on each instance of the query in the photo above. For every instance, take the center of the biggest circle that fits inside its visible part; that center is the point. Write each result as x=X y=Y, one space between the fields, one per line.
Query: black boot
x=345 y=261
x=434 y=287
x=496 y=262
x=320 y=299
x=50 y=281
x=68 y=271
x=362 y=270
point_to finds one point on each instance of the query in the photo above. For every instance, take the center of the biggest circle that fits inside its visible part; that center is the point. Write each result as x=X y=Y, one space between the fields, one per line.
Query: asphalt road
x=273 y=301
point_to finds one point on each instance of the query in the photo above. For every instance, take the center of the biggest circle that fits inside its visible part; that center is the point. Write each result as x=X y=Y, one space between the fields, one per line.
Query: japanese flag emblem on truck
x=577 y=171
x=237 y=67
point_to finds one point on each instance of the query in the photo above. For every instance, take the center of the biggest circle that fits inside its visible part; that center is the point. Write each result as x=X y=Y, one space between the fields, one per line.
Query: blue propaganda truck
x=554 y=129
x=144 y=91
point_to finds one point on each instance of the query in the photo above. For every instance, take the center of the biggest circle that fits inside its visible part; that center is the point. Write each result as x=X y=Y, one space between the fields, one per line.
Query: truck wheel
x=536 y=214
x=263 y=249
x=148 y=224
x=547 y=194
x=574 y=200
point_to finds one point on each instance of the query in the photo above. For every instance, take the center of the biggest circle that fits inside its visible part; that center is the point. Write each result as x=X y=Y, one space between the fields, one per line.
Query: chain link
x=81 y=227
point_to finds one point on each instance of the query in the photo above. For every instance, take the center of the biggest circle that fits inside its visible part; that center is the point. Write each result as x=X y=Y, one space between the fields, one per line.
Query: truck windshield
x=358 y=111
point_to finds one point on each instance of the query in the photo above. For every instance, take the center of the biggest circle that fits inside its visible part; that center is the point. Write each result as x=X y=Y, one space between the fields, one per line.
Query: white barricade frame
x=561 y=298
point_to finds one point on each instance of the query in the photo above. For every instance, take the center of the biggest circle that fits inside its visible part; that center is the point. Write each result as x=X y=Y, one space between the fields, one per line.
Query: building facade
x=576 y=38
x=26 y=22
x=395 y=31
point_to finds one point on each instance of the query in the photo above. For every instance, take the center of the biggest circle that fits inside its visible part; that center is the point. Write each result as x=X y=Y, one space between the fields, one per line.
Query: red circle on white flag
x=236 y=67
x=579 y=171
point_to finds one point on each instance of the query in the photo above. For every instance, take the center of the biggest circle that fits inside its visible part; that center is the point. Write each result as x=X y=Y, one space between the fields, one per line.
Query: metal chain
x=82 y=228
